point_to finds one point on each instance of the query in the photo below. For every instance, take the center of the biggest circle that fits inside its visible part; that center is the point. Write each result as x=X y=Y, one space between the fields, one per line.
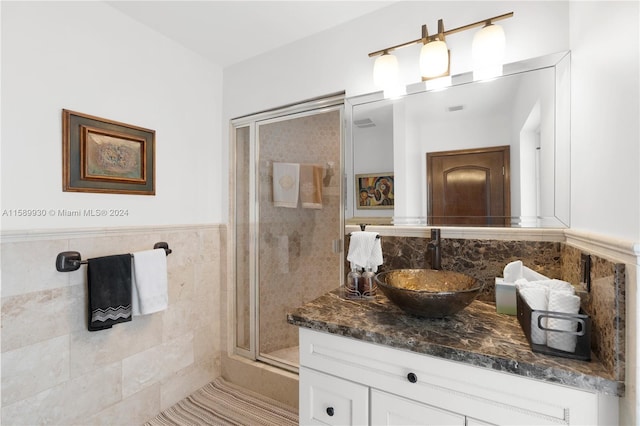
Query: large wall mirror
x=489 y=153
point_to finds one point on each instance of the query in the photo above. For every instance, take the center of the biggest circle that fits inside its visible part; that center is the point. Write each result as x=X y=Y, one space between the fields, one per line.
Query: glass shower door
x=288 y=248
x=297 y=227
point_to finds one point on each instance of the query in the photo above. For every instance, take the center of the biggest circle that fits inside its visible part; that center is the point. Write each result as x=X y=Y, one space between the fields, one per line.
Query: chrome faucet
x=434 y=248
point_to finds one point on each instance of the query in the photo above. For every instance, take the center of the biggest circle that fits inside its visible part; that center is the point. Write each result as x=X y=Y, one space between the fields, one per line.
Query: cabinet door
x=329 y=400
x=392 y=410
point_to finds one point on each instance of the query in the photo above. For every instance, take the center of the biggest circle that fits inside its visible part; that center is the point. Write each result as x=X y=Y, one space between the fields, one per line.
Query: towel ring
x=68 y=261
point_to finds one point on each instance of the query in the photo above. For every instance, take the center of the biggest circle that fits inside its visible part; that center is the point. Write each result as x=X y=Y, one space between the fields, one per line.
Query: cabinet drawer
x=391 y=410
x=329 y=400
x=480 y=393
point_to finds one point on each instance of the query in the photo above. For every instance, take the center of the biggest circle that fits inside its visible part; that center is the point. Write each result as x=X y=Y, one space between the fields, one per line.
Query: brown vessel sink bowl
x=428 y=293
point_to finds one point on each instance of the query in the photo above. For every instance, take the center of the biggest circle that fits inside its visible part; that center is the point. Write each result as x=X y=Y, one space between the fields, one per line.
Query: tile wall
x=54 y=371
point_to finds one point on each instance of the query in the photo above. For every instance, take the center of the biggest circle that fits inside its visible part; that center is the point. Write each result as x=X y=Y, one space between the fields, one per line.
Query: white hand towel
x=361 y=247
x=150 y=291
x=561 y=301
x=536 y=298
x=286 y=184
x=375 y=259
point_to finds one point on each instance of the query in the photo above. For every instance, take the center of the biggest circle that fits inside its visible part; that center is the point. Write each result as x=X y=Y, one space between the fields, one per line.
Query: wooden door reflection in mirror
x=469 y=187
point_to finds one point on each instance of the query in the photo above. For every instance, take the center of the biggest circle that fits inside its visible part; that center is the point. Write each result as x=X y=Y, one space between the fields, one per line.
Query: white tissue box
x=506 y=297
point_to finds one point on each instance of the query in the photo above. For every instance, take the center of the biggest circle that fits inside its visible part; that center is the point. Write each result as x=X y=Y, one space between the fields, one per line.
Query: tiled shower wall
x=54 y=371
x=485 y=260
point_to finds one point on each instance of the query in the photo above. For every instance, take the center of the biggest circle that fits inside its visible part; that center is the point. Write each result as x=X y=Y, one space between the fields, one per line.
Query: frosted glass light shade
x=488 y=52
x=385 y=71
x=434 y=59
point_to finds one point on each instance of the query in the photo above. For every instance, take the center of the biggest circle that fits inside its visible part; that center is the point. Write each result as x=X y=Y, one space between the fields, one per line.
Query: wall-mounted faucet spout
x=434 y=248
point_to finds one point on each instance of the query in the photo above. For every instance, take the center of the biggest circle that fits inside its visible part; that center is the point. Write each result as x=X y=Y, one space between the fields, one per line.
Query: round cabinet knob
x=412 y=377
x=330 y=411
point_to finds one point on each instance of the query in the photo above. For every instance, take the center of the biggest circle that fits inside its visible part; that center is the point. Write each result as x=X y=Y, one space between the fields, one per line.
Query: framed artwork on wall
x=101 y=155
x=375 y=191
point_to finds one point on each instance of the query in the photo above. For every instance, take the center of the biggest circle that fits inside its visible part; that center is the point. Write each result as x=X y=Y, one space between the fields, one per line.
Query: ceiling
x=228 y=32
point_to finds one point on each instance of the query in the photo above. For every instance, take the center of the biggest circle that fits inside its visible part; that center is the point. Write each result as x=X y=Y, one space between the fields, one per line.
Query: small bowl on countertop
x=428 y=293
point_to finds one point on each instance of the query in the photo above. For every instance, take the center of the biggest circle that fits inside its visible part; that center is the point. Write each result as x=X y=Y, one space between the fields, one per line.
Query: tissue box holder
x=505 y=297
x=583 y=333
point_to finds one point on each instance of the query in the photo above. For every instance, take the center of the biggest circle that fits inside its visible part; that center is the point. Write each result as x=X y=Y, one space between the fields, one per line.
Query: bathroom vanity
x=366 y=362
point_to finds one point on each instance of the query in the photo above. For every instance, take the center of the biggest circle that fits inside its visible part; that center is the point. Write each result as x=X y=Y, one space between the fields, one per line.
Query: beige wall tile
x=135 y=410
x=178 y=385
x=142 y=370
x=112 y=376
x=31 y=369
x=179 y=319
x=30 y=266
x=155 y=364
x=53 y=311
x=93 y=349
x=68 y=401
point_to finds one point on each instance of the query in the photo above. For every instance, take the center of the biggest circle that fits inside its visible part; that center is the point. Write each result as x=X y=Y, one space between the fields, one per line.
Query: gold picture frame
x=106 y=156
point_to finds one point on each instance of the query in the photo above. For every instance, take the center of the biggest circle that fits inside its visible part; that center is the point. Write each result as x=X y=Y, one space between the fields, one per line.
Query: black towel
x=109 y=289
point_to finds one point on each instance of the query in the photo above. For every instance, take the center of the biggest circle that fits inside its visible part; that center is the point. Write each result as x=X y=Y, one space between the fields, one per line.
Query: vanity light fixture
x=435 y=57
x=386 y=75
x=488 y=51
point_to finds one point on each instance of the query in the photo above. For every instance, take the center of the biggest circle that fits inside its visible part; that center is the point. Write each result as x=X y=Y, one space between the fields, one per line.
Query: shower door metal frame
x=316 y=106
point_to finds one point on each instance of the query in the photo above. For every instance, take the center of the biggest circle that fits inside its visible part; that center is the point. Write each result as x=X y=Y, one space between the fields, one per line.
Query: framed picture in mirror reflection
x=375 y=191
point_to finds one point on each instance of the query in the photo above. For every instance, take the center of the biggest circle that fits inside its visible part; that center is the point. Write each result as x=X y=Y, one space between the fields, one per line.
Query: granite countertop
x=477 y=335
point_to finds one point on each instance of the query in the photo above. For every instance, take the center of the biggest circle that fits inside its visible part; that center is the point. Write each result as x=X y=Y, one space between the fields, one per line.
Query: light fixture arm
x=441 y=33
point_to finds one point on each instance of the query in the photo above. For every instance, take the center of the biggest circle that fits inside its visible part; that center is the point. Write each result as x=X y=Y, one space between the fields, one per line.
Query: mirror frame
x=561 y=61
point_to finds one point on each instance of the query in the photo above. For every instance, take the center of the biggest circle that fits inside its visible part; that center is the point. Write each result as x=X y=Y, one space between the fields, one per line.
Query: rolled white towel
x=536 y=298
x=559 y=285
x=562 y=301
x=551 y=285
x=516 y=270
x=513 y=271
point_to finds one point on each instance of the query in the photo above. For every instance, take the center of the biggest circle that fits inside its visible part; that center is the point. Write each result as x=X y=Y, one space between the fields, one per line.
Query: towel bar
x=68 y=261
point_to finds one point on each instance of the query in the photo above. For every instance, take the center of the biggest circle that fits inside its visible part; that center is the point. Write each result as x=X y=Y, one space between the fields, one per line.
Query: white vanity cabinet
x=363 y=383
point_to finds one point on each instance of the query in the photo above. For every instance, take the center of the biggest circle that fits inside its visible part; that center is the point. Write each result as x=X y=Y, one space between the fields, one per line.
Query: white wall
x=88 y=57
x=605 y=146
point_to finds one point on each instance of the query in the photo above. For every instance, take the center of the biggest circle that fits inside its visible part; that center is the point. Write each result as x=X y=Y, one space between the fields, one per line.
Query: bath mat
x=223 y=403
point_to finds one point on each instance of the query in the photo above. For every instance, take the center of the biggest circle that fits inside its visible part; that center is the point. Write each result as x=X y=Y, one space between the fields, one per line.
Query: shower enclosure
x=284 y=256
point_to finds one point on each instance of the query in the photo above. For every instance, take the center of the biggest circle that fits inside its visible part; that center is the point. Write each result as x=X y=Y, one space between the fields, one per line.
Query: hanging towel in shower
x=286 y=184
x=311 y=186
x=109 y=291
x=150 y=285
